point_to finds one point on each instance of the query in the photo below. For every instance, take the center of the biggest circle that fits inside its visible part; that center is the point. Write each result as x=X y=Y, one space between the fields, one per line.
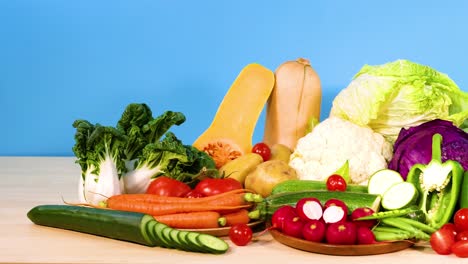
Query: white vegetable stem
x=97 y=188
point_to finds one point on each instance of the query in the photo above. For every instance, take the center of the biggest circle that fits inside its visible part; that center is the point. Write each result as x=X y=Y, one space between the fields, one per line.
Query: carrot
x=240 y=216
x=192 y=220
x=144 y=197
x=167 y=208
x=231 y=198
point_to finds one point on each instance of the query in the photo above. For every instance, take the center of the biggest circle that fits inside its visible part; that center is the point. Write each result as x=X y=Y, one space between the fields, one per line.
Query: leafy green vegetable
x=99 y=153
x=168 y=157
x=400 y=94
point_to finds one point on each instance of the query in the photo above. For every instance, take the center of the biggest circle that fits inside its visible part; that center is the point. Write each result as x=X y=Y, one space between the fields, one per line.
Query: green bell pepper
x=439 y=185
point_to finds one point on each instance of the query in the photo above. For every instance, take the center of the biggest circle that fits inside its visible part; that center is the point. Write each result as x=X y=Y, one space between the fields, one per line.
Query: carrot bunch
x=224 y=209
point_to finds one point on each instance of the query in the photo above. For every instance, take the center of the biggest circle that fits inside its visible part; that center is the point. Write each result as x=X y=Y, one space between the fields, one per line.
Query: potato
x=267 y=174
x=280 y=152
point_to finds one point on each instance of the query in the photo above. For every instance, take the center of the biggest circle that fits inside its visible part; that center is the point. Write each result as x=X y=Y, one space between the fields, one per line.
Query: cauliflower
x=334 y=141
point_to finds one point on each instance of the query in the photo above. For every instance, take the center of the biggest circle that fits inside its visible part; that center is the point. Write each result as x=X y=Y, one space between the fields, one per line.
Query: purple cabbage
x=414 y=144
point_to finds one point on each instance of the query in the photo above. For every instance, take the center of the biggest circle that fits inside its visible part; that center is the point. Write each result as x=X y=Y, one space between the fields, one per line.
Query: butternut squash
x=294 y=103
x=230 y=133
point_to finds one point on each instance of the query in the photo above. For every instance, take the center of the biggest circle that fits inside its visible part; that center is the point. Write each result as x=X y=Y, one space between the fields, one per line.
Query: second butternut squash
x=294 y=103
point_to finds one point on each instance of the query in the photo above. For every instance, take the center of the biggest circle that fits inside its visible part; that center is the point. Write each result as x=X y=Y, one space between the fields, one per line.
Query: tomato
x=209 y=187
x=460 y=219
x=240 y=234
x=165 y=186
x=460 y=249
x=263 y=150
x=462 y=236
x=336 y=183
x=442 y=241
x=194 y=194
x=450 y=227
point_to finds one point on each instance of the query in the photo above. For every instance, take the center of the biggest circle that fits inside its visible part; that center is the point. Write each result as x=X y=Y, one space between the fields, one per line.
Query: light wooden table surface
x=29 y=181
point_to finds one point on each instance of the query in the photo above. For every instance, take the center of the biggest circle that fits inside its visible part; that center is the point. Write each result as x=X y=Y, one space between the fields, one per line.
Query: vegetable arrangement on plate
x=387 y=168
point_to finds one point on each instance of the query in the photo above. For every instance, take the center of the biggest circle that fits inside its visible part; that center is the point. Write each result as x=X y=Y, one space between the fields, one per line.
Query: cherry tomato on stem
x=336 y=183
x=263 y=150
x=240 y=234
x=209 y=187
x=165 y=186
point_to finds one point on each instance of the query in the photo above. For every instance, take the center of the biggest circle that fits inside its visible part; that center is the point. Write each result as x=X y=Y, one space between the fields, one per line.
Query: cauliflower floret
x=334 y=141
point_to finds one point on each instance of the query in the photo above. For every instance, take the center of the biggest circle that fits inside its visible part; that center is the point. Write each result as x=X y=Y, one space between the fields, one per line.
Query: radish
x=279 y=216
x=361 y=212
x=309 y=209
x=336 y=202
x=293 y=226
x=334 y=214
x=341 y=233
x=365 y=236
x=314 y=230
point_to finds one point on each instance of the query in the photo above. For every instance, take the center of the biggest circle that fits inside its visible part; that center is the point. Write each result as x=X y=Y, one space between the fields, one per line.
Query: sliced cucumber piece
x=166 y=233
x=382 y=180
x=213 y=244
x=192 y=238
x=399 y=195
x=149 y=230
x=184 y=241
x=146 y=220
x=174 y=235
x=158 y=229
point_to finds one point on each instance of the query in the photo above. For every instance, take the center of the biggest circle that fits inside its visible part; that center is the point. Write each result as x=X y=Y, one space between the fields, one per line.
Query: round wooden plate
x=220 y=231
x=340 y=250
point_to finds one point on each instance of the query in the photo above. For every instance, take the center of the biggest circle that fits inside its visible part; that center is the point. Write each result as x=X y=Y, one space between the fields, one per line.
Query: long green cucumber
x=353 y=200
x=127 y=226
x=311 y=185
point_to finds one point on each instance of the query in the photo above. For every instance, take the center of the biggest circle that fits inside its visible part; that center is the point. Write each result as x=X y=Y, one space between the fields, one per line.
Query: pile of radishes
x=329 y=222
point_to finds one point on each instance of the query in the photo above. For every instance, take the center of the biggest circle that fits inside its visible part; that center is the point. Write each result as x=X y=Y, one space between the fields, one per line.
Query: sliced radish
x=309 y=209
x=336 y=202
x=334 y=214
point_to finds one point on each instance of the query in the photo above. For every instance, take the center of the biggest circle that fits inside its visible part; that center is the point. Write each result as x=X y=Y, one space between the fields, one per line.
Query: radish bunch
x=328 y=222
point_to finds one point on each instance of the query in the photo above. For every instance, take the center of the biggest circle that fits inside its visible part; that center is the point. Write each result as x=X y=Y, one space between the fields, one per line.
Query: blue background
x=64 y=60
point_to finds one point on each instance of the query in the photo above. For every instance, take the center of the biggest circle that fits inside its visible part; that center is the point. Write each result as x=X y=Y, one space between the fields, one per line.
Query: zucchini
x=127 y=226
x=400 y=195
x=381 y=180
x=311 y=185
x=352 y=199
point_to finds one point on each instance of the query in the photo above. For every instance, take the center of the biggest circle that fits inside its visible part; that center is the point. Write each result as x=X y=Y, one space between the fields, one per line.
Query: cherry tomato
x=336 y=183
x=165 y=186
x=263 y=150
x=450 y=227
x=442 y=241
x=240 y=234
x=460 y=249
x=460 y=219
x=209 y=187
x=462 y=236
